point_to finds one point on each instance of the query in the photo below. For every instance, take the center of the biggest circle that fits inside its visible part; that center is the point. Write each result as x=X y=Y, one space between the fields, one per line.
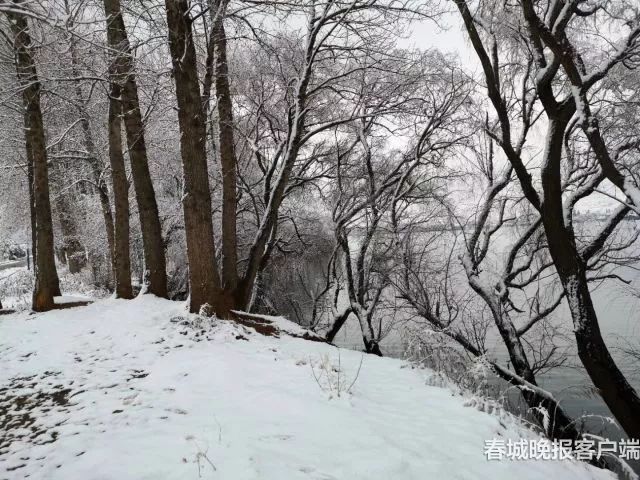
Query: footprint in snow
x=316 y=475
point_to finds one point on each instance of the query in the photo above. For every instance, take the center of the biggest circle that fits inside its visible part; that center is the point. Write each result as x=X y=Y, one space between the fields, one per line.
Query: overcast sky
x=449 y=37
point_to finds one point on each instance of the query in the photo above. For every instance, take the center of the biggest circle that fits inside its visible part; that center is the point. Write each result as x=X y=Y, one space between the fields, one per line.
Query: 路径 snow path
x=140 y=390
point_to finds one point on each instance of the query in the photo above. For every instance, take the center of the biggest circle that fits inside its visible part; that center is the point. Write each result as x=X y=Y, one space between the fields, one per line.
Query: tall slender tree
x=226 y=147
x=120 y=254
x=124 y=72
x=196 y=199
x=95 y=163
x=46 y=284
x=555 y=60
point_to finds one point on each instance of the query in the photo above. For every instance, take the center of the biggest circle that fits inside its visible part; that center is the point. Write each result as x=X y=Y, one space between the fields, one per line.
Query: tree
x=546 y=46
x=373 y=179
x=120 y=253
x=225 y=142
x=497 y=294
x=88 y=135
x=46 y=284
x=124 y=73
x=204 y=279
x=504 y=257
x=285 y=134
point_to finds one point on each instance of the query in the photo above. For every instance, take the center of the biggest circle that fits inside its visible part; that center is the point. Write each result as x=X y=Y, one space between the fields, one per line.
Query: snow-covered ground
x=123 y=390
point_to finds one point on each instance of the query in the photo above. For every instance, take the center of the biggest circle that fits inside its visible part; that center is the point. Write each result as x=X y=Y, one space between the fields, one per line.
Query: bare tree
x=46 y=284
x=120 y=253
x=543 y=38
x=373 y=180
x=506 y=281
x=226 y=144
x=81 y=103
x=123 y=72
x=203 y=270
x=326 y=30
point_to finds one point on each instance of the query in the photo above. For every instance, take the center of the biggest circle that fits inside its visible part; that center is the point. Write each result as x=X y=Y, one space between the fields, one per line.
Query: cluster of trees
x=291 y=157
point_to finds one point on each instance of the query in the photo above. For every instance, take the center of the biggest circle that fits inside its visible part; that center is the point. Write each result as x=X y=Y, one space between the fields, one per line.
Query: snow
x=11 y=264
x=140 y=390
x=15 y=286
x=67 y=299
x=281 y=324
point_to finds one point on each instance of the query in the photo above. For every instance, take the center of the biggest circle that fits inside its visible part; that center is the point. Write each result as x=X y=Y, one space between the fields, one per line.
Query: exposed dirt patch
x=22 y=401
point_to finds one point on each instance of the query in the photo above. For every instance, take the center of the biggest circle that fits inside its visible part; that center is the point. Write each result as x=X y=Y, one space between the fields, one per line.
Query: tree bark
x=32 y=210
x=372 y=346
x=621 y=398
x=337 y=324
x=196 y=200
x=227 y=154
x=561 y=426
x=46 y=283
x=154 y=254
x=120 y=254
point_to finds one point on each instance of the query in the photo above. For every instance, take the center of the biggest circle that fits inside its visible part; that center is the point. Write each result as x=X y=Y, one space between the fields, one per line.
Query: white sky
x=449 y=37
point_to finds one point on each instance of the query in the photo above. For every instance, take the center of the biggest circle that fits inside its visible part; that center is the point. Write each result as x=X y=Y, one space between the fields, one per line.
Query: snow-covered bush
x=15 y=288
x=82 y=284
x=447 y=366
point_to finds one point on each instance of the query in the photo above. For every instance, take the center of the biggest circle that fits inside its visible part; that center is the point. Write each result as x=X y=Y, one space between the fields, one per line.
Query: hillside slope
x=134 y=390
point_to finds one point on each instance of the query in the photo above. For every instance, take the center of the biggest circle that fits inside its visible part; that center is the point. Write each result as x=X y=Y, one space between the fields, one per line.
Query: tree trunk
x=617 y=393
x=196 y=200
x=337 y=325
x=154 y=255
x=72 y=249
x=372 y=346
x=262 y=244
x=621 y=398
x=32 y=210
x=369 y=338
x=120 y=255
x=46 y=283
x=227 y=155
x=87 y=138
x=561 y=426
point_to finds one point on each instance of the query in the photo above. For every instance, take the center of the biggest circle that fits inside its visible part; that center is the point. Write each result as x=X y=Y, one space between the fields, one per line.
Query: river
x=617 y=310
